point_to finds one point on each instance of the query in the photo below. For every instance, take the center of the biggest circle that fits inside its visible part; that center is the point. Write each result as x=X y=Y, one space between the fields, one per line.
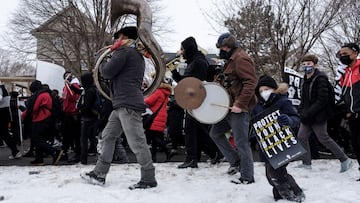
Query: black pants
x=88 y=133
x=175 y=125
x=354 y=124
x=4 y=132
x=71 y=131
x=197 y=139
x=42 y=139
x=156 y=139
x=281 y=176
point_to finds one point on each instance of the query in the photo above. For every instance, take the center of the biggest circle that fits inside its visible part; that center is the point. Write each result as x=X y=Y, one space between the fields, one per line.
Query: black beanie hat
x=130 y=32
x=35 y=86
x=265 y=80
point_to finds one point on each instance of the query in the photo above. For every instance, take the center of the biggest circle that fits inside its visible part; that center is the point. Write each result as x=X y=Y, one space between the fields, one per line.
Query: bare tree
x=347 y=30
x=279 y=33
x=81 y=29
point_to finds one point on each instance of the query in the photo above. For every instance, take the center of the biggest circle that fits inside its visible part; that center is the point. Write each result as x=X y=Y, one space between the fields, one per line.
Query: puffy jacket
x=154 y=101
x=350 y=83
x=280 y=100
x=315 y=99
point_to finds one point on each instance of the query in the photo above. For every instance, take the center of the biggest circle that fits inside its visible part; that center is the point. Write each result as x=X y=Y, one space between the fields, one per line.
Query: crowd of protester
x=74 y=121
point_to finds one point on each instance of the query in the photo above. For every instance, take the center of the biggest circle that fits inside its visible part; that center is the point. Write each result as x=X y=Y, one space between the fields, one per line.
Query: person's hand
x=236 y=109
x=283 y=119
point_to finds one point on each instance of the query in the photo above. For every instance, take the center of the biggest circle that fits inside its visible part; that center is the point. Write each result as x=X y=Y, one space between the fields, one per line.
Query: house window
x=83 y=65
x=58 y=42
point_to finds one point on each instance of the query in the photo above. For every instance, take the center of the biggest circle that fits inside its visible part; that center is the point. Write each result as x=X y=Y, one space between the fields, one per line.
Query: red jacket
x=154 y=102
x=70 y=99
x=42 y=107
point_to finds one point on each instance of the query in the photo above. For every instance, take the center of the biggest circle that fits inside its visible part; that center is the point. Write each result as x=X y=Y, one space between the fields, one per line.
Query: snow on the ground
x=207 y=184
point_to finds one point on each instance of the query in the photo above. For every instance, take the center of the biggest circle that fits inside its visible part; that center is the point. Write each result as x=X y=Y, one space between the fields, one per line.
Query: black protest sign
x=278 y=143
x=294 y=80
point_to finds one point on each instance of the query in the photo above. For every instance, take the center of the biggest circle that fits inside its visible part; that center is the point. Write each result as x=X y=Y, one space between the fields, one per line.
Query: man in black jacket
x=314 y=112
x=196 y=134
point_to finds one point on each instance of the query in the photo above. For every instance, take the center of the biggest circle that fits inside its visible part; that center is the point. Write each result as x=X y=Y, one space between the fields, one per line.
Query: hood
x=190 y=47
x=87 y=79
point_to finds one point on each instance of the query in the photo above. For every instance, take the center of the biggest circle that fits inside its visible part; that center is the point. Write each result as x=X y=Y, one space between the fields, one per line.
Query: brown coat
x=240 y=72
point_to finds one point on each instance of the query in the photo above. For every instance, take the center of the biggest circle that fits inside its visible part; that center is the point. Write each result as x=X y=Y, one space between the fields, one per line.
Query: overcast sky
x=185 y=19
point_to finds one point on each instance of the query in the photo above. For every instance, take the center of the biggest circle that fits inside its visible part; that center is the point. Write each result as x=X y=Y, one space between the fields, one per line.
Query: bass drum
x=215 y=106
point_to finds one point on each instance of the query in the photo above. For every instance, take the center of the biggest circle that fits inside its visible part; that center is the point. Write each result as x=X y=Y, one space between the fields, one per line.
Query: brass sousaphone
x=142 y=11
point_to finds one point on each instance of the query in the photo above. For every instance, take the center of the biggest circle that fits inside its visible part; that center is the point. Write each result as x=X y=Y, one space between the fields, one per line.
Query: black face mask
x=224 y=55
x=346 y=60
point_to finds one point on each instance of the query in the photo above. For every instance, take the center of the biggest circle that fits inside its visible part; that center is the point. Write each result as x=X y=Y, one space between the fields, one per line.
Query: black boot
x=187 y=164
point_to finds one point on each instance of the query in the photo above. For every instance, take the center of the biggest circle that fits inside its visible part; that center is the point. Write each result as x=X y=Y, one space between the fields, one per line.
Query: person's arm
x=115 y=65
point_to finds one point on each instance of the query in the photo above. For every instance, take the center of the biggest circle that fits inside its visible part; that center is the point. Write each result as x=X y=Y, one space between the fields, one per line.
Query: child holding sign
x=270 y=95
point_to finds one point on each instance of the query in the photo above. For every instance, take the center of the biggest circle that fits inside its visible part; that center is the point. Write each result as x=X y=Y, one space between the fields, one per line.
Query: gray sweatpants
x=130 y=122
x=320 y=130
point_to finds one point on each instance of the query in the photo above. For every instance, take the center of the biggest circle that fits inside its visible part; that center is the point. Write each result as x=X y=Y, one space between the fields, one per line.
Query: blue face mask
x=308 y=69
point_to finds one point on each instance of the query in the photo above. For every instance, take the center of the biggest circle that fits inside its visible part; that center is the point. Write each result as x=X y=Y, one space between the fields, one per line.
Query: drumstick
x=219 y=105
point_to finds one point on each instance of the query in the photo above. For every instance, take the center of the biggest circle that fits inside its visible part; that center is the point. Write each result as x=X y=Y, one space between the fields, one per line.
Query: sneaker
x=304 y=166
x=92 y=178
x=37 y=162
x=346 y=165
x=17 y=156
x=243 y=181
x=143 y=185
x=299 y=197
x=188 y=164
x=232 y=170
x=57 y=156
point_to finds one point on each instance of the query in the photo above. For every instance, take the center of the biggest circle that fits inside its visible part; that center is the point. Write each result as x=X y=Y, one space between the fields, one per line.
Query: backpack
x=98 y=104
x=56 y=109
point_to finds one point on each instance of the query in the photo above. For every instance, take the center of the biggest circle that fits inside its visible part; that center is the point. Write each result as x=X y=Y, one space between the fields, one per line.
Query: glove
x=283 y=119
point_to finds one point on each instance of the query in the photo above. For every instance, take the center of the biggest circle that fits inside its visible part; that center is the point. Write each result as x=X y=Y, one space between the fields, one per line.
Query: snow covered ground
x=207 y=184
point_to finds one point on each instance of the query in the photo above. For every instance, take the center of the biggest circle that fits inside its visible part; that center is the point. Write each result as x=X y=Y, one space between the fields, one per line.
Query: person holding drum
x=272 y=95
x=196 y=134
x=239 y=79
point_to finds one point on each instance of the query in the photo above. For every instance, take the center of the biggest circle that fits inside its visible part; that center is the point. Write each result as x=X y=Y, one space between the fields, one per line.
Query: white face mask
x=266 y=94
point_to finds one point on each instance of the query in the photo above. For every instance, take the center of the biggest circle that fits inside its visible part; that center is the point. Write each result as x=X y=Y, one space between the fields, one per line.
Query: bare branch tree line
x=275 y=33
x=278 y=34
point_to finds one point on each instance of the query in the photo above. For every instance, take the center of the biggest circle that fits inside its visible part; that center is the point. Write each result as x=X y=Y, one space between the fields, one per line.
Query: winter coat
x=280 y=100
x=240 y=80
x=42 y=107
x=5 y=115
x=71 y=96
x=154 y=101
x=88 y=98
x=125 y=70
x=314 y=106
x=350 y=83
x=197 y=64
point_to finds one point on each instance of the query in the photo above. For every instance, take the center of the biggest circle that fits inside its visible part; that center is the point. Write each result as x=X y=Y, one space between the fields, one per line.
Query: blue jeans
x=128 y=121
x=239 y=124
